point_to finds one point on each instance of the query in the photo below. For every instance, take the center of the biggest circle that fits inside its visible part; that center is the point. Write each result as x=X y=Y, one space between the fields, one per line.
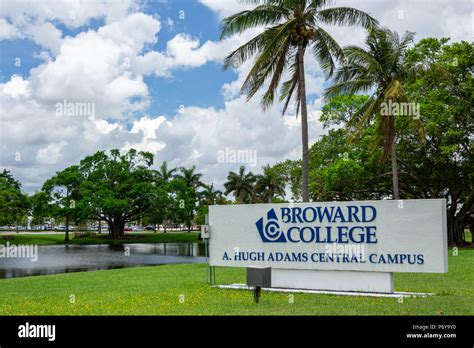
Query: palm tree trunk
x=393 y=157
x=304 y=123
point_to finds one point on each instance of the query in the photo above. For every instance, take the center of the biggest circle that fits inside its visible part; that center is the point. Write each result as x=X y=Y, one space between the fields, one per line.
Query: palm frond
x=262 y=15
x=346 y=16
x=267 y=60
x=348 y=87
x=324 y=49
x=269 y=95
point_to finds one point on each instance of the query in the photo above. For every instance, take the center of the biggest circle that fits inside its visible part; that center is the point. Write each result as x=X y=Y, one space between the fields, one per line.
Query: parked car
x=138 y=228
x=149 y=228
x=127 y=229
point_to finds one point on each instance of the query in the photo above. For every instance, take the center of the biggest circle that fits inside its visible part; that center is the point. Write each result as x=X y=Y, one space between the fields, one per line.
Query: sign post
x=205 y=235
x=346 y=246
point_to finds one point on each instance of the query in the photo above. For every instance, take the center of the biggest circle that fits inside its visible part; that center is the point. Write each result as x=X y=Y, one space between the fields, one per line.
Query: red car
x=127 y=229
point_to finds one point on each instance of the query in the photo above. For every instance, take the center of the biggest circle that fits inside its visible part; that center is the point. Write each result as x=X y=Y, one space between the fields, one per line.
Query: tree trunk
x=393 y=157
x=117 y=228
x=66 y=237
x=455 y=231
x=100 y=226
x=304 y=123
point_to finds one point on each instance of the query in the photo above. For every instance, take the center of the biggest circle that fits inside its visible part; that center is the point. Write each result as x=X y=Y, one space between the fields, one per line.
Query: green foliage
x=339 y=109
x=379 y=67
x=443 y=166
x=269 y=185
x=240 y=185
x=185 y=200
x=440 y=167
x=14 y=203
x=340 y=170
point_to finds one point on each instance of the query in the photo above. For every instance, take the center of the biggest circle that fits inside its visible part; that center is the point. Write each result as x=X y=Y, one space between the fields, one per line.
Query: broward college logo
x=317 y=224
x=271 y=231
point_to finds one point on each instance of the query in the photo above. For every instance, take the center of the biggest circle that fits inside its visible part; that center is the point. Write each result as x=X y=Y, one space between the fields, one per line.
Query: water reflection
x=81 y=258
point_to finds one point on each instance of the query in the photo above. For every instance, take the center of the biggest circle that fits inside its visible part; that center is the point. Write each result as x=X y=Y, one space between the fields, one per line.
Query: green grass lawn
x=51 y=239
x=158 y=290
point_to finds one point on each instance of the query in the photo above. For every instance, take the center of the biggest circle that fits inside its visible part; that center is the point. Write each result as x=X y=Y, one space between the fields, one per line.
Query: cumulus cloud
x=34 y=19
x=94 y=66
x=8 y=31
x=186 y=52
x=16 y=87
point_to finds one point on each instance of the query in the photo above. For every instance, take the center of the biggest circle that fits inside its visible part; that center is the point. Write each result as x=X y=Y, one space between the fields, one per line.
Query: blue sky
x=156 y=81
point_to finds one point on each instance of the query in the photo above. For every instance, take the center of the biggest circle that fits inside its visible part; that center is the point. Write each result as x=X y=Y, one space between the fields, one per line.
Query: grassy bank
x=181 y=290
x=51 y=239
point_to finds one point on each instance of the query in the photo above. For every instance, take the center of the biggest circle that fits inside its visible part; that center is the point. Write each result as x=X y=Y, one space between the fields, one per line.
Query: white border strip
x=395 y=294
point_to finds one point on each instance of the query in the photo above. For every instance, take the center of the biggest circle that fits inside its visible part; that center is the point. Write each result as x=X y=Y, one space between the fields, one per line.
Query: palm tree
x=164 y=173
x=270 y=184
x=290 y=27
x=380 y=69
x=241 y=185
x=192 y=179
x=209 y=195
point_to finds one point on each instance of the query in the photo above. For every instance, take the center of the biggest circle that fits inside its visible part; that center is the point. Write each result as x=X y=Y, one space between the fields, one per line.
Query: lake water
x=79 y=258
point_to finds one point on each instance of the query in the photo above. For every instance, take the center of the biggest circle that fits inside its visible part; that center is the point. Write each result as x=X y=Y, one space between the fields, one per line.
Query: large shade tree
x=117 y=188
x=378 y=68
x=291 y=27
x=13 y=202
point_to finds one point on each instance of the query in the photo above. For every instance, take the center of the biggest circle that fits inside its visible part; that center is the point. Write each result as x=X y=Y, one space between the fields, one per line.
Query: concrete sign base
x=395 y=294
x=381 y=282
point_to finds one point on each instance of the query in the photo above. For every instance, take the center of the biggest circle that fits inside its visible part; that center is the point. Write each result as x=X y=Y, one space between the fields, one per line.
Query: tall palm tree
x=290 y=27
x=379 y=68
x=270 y=184
x=241 y=185
x=192 y=178
x=209 y=195
x=164 y=173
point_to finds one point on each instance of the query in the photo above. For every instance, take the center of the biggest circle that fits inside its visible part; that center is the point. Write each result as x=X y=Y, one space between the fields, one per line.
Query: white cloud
x=185 y=51
x=16 y=87
x=226 y=8
x=46 y=35
x=34 y=19
x=148 y=126
x=105 y=127
x=95 y=67
x=50 y=154
x=8 y=31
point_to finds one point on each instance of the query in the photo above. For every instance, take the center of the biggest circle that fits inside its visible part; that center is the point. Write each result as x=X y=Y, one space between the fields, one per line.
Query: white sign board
x=379 y=236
